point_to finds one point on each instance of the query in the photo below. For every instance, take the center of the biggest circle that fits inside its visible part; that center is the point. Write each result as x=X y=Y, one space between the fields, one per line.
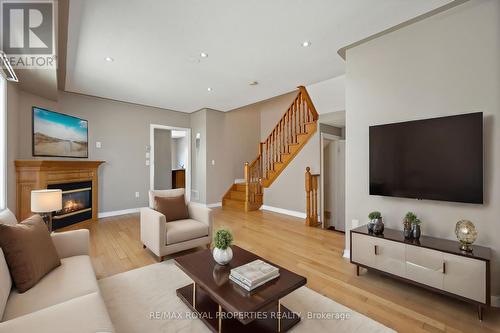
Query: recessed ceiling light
x=254 y=83
x=109 y=59
x=209 y=89
x=204 y=55
x=306 y=43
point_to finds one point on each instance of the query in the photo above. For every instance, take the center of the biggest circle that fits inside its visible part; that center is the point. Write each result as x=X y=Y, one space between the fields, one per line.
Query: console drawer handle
x=375 y=248
x=427 y=268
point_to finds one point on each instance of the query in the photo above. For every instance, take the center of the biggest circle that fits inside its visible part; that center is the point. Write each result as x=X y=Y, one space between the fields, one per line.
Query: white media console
x=432 y=263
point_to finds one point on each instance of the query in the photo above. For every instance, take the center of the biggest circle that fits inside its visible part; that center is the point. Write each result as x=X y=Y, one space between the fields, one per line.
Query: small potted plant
x=222 y=241
x=410 y=217
x=375 y=225
x=415 y=228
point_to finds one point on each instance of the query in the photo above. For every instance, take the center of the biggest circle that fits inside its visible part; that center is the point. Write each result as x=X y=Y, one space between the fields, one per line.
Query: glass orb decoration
x=466 y=234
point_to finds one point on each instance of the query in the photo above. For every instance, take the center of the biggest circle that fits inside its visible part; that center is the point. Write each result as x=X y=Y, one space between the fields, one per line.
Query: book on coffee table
x=253 y=274
x=250 y=288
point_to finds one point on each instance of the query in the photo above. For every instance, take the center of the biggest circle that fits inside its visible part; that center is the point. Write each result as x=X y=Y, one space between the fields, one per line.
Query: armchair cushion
x=184 y=230
x=174 y=208
x=29 y=251
x=163 y=193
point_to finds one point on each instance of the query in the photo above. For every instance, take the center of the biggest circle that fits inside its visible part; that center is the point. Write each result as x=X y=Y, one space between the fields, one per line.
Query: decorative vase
x=407 y=229
x=415 y=231
x=378 y=227
x=222 y=257
x=370 y=225
x=466 y=234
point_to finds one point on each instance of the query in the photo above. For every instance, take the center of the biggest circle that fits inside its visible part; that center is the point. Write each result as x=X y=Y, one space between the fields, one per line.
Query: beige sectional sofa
x=65 y=300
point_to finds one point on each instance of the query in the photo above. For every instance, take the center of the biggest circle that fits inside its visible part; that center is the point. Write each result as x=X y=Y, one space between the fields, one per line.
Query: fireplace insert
x=76 y=203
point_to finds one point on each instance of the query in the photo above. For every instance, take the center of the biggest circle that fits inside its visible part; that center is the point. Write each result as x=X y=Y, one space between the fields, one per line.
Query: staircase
x=291 y=133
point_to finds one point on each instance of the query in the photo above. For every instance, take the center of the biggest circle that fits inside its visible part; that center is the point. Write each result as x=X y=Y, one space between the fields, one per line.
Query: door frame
x=323 y=137
x=152 y=128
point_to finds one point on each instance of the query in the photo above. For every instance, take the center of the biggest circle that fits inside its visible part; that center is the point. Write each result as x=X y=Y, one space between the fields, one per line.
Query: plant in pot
x=415 y=228
x=375 y=225
x=410 y=217
x=222 y=241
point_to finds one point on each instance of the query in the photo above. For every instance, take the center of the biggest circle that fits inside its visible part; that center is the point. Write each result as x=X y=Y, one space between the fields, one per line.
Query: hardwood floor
x=312 y=252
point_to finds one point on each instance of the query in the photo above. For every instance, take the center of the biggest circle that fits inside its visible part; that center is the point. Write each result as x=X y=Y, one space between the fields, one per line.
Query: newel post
x=308 y=196
x=247 y=181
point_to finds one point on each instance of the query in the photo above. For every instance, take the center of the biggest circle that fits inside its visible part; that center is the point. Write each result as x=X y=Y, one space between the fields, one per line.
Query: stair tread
x=232 y=199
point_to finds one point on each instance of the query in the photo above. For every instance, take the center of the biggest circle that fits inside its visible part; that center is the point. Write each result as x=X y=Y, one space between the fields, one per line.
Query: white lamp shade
x=45 y=201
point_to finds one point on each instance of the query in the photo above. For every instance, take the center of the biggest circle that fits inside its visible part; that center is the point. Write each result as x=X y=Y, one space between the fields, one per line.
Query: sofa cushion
x=174 y=208
x=6 y=217
x=5 y=283
x=75 y=277
x=83 y=314
x=29 y=251
x=184 y=230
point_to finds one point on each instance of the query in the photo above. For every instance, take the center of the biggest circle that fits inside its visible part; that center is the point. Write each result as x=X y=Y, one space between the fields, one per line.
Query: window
x=3 y=141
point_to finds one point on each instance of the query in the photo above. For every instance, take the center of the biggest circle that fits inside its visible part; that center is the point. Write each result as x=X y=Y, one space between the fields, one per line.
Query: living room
x=257 y=99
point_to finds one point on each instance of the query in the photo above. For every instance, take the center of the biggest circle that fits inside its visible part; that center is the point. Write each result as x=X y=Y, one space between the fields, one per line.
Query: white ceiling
x=156 y=46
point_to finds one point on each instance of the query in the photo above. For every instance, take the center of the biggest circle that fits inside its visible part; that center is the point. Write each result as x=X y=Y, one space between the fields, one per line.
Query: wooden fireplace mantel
x=38 y=174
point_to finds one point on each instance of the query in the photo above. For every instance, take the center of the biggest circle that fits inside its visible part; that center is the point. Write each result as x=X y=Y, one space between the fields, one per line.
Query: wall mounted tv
x=436 y=159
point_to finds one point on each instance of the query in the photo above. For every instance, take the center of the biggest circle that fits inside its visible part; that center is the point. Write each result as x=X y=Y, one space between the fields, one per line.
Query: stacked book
x=253 y=274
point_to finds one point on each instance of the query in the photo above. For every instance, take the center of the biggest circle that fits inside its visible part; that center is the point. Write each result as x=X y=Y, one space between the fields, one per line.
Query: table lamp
x=45 y=202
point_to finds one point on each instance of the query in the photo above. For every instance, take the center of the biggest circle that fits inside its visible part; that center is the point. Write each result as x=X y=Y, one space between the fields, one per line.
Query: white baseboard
x=214 y=205
x=118 y=212
x=495 y=301
x=239 y=181
x=284 y=211
x=347 y=254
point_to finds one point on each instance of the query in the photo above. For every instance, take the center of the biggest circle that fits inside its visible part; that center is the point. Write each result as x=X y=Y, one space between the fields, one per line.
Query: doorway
x=333 y=182
x=169 y=155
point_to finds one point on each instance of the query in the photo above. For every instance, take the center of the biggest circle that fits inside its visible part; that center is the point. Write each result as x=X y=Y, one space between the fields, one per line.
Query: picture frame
x=56 y=134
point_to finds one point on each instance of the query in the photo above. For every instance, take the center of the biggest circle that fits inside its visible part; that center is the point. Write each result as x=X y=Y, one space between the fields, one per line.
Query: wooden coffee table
x=226 y=307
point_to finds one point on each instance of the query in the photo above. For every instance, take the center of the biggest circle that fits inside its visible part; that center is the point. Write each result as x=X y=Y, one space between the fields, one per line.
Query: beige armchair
x=164 y=238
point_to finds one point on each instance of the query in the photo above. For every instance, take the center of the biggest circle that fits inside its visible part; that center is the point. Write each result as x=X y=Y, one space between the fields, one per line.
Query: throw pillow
x=29 y=251
x=174 y=208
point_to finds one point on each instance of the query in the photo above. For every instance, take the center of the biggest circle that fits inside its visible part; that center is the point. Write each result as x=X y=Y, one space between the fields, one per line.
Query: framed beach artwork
x=58 y=135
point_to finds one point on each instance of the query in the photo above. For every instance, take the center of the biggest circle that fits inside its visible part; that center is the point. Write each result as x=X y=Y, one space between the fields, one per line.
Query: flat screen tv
x=58 y=135
x=436 y=159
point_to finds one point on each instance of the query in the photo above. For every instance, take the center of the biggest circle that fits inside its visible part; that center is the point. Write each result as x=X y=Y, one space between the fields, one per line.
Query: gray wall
x=233 y=139
x=179 y=152
x=163 y=159
x=445 y=65
x=218 y=177
x=12 y=143
x=199 y=156
x=123 y=129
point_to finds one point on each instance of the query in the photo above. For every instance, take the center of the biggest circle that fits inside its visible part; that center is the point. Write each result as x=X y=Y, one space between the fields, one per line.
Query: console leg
x=357 y=270
x=480 y=312
x=143 y=246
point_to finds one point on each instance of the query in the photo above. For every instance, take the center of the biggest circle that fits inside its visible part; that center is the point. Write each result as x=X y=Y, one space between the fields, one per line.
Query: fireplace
x=76 y=203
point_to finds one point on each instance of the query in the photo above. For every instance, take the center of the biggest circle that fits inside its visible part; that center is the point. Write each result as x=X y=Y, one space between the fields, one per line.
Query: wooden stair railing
x=311 y=198
x=253 y=190
x=284 y=142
